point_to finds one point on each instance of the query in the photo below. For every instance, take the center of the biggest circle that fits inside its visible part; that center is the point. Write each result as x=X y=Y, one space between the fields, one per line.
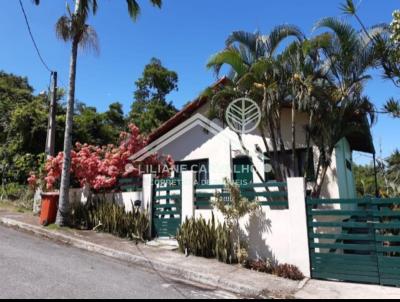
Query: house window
x=303 y=164
x=201 y=167
x=242 y=170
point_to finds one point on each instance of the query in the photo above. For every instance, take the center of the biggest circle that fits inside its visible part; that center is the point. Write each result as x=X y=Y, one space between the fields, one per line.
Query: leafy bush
x=201 y=238
x=237 y=208
x=197 y=237
x=19 y=195
x=109 y=217
x=289 y=272
x=281 y=270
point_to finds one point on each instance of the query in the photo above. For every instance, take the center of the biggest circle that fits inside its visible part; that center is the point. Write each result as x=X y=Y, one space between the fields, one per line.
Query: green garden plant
x=203 y=238
x=236 y=208
x=109 y=217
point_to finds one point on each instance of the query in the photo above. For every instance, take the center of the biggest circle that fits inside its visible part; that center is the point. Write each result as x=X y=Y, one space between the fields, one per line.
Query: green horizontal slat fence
x=167 y=207
x=355 y=240
x=274 y=194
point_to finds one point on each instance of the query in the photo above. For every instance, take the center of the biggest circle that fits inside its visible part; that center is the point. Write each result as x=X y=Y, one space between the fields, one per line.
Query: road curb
x=158 y=266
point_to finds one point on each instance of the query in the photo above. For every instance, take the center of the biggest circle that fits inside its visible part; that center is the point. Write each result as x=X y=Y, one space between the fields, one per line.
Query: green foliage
x=150 y=108
x=18 y=195
x=393 y=107
x=96 y=128
x=224 y=245
x=204 y=239
x=109 y=217
x=388 y=175
x=197 y=237
x=23 y=127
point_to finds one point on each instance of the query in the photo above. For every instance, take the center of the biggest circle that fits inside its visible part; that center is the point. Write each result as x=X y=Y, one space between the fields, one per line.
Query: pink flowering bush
x=100 y=167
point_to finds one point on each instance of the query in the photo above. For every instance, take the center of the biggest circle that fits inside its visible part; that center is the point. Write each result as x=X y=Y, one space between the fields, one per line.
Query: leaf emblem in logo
x=243 y=115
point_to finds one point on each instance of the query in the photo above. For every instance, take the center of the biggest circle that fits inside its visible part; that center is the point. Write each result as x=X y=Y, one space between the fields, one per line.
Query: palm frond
x=63 y=28
x=90 y=40
x=393 y=107
x=134 y=9
x=248 y=40
x=280 y=33
x=230 y=56
x=348 y=8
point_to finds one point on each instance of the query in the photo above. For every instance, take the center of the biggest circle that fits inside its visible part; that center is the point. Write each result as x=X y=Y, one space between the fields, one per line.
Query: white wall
x=220 y=149
x=279 y=235
x=126 y=199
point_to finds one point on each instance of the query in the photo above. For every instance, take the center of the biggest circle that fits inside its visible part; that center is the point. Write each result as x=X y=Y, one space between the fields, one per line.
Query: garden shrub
x=19 y=195
x=110 y=217
x=289 y=272
x=204 y=239
x=224 y=251
x=197 y=237
x=286 y=271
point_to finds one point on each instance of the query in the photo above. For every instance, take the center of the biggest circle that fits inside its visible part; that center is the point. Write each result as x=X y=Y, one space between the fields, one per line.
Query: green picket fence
x=268 y=194
x=358 y=241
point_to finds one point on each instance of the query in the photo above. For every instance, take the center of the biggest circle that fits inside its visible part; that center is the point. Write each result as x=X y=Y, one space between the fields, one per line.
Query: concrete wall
x=279 y=235
x=124 y=199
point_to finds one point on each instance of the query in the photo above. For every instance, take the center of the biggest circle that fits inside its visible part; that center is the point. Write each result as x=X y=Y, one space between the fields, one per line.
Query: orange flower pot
x=48 y=213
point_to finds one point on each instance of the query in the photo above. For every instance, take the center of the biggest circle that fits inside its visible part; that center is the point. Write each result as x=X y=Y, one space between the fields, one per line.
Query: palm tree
x=74 y=28
x=254 y=72
x=343 y=109
x=387 y=50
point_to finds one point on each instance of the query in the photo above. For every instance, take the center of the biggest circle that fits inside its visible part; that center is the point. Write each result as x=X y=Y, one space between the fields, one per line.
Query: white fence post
x=147 y=203
x=187 y=195
x=300 y=252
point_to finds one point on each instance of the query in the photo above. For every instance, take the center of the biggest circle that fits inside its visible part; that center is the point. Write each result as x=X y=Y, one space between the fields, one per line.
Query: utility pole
x=377 y=193
x=51 y=129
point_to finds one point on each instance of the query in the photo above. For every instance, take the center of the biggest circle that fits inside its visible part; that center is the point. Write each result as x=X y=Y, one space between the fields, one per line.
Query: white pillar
x=298 y=229
x=188 y=183
x=147 y=202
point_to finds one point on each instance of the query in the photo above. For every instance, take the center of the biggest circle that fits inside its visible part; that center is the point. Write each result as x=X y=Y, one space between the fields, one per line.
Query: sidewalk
x=209 y=272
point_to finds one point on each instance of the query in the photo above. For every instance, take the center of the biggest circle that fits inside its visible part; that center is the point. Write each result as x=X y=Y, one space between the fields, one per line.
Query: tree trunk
x=320 y=182
x=295 y=168
x=65 y=176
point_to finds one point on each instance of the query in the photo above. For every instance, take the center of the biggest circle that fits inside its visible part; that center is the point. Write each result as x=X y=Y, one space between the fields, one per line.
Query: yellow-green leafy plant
x=224 y=245
x=197 y=237
x=233 y=210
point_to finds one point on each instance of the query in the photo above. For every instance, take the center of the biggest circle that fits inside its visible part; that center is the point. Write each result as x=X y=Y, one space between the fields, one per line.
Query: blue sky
x=184 y=34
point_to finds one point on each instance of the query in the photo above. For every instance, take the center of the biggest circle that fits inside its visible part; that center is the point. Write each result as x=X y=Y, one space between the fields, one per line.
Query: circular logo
x=243 y=115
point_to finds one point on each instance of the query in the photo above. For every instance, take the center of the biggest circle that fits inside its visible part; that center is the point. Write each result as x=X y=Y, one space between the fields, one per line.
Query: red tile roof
x=182 y=115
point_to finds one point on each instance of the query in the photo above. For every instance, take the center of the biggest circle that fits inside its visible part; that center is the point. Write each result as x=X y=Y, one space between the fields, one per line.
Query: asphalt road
x=32 y=267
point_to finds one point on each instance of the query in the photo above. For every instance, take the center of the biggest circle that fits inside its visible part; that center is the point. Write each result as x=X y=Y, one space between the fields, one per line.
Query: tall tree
x=73 y=27
x=343 y=108
x=387 y=43
x=150 y=107
x=256 y=73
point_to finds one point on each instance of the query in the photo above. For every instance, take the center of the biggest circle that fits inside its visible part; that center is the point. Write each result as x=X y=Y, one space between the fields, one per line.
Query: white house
x=213 y=149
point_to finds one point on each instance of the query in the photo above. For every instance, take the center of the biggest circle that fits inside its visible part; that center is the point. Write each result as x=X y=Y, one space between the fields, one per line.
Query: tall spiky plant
x=73 y=28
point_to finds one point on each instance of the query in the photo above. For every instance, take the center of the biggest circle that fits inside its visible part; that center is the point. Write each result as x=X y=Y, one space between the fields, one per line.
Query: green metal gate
x=167 y=208
x=355 y=240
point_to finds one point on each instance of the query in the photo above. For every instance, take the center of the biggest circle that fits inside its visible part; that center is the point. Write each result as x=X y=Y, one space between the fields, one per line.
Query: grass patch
x=55 y=227
x=13 y=206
